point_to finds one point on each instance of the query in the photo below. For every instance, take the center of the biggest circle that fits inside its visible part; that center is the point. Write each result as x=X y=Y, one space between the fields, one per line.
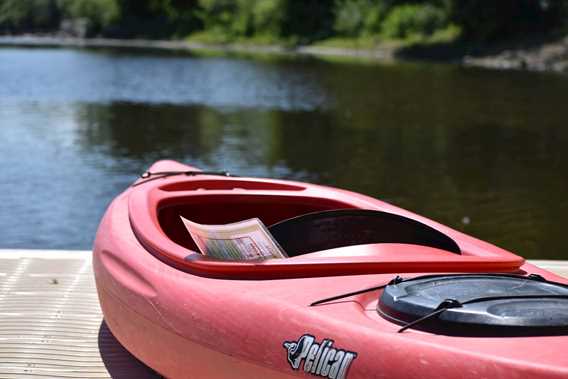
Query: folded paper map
x=239 y=241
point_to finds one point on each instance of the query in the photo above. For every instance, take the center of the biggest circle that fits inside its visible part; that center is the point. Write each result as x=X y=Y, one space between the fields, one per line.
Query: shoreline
x=544 y=56
x=379 y=54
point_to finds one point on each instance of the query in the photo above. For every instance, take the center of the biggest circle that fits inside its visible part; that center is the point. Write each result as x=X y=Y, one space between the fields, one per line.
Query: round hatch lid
x=478 y=304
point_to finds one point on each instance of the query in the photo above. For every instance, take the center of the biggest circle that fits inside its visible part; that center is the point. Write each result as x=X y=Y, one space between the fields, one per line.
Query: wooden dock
x=51 y=325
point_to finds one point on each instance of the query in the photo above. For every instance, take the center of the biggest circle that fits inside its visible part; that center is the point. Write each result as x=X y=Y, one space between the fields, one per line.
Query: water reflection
x=144 y=132
x=482 y=151
x=102 y=76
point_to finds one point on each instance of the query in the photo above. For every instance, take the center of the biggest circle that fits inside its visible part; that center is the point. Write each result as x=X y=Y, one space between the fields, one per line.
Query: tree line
x=294 y=21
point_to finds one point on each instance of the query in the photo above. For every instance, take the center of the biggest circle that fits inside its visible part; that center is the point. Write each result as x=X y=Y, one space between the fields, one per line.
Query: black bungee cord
x=395 y=280
x=153 y=175
x=453 y=303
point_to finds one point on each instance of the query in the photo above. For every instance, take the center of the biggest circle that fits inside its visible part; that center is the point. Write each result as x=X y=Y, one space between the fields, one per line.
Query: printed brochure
x=240 y=241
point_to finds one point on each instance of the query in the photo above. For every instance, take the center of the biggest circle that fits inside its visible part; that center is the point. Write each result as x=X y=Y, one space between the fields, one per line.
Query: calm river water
x=483 y=151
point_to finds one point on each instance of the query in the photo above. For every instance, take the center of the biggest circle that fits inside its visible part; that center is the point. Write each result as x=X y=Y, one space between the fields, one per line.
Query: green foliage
x=487 y=21
x=373 y=20
x=217 y=15
x=242 y=18
x=268 y=17
x=299 y=21
x=155 y=18
x=100 y=13
x=358 y=17
x=183 y=18
x=303 y=20
x=405 y=21
x=28 y=15
x=308 y=20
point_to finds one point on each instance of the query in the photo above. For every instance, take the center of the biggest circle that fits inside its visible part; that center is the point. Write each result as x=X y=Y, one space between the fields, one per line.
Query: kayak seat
x=346 y=227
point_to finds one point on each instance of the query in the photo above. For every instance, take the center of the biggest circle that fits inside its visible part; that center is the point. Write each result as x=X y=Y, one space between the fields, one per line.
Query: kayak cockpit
x=225 y=208
x=396 y=243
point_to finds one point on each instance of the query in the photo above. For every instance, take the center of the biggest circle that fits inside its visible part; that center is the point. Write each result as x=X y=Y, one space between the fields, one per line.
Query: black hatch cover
x=478 y=304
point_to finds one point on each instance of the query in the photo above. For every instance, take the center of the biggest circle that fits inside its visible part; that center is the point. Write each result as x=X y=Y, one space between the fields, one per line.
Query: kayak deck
x=51 y=323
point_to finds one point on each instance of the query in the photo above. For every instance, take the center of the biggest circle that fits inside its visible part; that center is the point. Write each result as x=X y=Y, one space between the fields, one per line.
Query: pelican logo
x=321 y=359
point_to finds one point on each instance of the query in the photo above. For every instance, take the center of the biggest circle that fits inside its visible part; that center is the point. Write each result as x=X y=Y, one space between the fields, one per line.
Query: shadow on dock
x=118 y=361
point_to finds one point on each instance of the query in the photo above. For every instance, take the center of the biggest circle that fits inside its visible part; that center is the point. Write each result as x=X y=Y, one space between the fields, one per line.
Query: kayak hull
x=193 y=323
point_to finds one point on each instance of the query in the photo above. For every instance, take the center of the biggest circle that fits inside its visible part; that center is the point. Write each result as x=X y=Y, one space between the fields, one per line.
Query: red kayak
x=369 y=290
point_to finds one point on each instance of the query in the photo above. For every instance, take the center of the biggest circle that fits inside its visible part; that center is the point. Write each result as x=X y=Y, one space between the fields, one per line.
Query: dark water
x=483 y=151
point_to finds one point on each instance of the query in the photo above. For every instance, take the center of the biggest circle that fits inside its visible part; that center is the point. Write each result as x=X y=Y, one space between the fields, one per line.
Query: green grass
x=351 y=43
x=210 y=37
x=446 y=35
x=216 y=38
x=449 y=34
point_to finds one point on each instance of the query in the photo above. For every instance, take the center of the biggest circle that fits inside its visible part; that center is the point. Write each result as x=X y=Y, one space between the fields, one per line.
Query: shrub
x=350 y=16
x=99 y=13
x=217 y=15
x=238 y=18
x=268 y=16
x=374 y=19
x=155 y=18
x=308 y=20
x=413 y=20
x=503 y=19
x=355 y=18
x=28 y=15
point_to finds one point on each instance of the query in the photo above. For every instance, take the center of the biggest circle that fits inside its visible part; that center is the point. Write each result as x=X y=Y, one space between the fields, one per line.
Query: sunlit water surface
x=485 y=152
